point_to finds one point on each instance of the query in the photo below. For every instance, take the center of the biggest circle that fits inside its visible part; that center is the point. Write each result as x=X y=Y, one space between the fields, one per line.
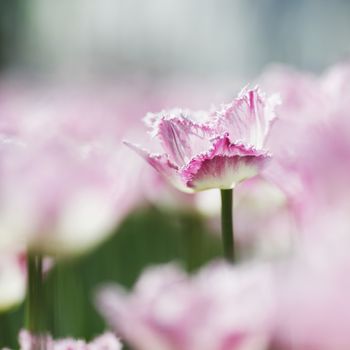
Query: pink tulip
x=218 y=149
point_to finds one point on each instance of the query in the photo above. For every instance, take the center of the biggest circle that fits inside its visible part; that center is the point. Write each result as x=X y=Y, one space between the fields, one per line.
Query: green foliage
x=148 y=236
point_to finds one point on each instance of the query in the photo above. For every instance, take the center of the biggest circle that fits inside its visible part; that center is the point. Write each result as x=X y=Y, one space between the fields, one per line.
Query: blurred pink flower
x=313 y=312
x=304 y=107
x=221 y=307
x=212 y=150
x=63 y=188
x=107 y=341
x=310 y=139
x=313 y=309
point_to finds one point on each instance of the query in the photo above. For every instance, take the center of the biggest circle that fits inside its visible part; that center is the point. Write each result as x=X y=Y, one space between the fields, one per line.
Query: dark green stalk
x=35 y=301
x=227 y=225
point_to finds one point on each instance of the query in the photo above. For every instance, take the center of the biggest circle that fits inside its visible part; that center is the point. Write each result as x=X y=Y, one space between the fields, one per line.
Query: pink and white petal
x=28 y=341
x=106 y=341
x=182 y=138
x=248 y=118
x=152 y=120
x=162 y=164
x=224 y=166
x=224 y=172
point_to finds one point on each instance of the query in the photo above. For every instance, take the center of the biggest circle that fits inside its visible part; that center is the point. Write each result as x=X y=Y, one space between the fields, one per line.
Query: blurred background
x=113 y=38
x=160 y=50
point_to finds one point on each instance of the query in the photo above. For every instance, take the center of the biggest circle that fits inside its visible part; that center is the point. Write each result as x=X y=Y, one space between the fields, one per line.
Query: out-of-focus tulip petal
x=220 y=308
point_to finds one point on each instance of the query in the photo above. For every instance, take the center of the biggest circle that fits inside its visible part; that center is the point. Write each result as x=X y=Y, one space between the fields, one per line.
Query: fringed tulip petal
x=248 y=118
x=162 y=164
x=182 y=139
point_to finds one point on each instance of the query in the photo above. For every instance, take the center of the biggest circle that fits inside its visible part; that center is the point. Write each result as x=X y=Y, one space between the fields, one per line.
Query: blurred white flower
x=12 y=278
